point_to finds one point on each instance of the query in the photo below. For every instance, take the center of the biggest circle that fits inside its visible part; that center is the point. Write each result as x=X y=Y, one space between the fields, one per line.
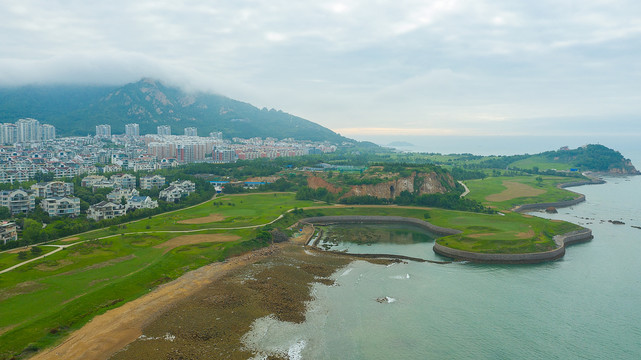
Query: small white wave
x=390 y=299
x=400 y=277
x=309 y=253
x=295 y=351
x=346 y=272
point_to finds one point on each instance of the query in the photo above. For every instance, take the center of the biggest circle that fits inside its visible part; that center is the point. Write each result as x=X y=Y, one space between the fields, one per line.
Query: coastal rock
x=616 y=222
x=423 y=183
x=551 y=210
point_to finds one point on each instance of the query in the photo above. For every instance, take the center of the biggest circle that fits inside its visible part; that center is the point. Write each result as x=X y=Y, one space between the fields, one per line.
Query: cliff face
x=423 y=183
x=316 y=182
x=626 y=169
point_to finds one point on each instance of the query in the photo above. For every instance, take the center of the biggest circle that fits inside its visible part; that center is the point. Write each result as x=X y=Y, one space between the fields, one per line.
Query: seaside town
x=31 y=152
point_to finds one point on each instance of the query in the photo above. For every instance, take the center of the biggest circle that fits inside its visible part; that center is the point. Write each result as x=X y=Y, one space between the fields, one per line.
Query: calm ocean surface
x=584 y=306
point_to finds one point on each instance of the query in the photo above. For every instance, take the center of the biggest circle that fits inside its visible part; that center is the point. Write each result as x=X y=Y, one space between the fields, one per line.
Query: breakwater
x=355 y=219
x=562 y=241
x=580 y=197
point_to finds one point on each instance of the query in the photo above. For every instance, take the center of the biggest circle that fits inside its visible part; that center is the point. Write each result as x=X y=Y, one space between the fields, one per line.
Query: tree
x=22 y=255
x=5 y=213
x=36 y=251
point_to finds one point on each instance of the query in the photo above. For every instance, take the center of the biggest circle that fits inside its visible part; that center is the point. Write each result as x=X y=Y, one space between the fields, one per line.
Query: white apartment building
x=61 y=206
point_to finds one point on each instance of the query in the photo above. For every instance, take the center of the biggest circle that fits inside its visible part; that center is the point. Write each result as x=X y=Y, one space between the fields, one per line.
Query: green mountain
x=76 y=110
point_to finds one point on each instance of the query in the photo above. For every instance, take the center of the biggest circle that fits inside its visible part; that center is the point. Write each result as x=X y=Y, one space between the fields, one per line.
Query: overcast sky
x=477 y=67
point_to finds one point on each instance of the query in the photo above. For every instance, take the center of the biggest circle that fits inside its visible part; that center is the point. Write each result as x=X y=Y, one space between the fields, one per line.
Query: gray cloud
x=446 y=64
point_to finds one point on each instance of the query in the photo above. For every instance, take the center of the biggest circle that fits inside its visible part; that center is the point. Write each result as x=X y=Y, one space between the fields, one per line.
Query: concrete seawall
x=562 y=241
x=351 y=219
x=580 y=197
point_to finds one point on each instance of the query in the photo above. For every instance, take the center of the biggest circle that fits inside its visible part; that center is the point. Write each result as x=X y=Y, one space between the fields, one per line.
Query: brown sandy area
x=54 y=266
x=195 y=239
x=514 y=190
x=203 y=220
x=70 y=239
x=111 y=331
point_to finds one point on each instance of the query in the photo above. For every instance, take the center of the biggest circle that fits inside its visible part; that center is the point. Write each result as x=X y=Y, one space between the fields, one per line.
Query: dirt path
x=105 y=334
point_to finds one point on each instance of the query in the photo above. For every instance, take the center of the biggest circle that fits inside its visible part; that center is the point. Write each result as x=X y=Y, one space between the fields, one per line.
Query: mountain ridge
x=76 y=110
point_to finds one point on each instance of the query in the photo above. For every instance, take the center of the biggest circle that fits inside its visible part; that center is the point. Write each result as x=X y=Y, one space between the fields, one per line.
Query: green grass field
x=541 y=162
x=480 y=190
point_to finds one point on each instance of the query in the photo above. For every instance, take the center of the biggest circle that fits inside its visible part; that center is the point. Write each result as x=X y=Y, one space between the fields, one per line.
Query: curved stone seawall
x=579 y=199
x=561 y=241
x=328 y=220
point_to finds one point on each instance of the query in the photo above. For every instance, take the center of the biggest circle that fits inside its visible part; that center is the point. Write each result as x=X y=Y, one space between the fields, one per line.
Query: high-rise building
x=132 y=130
x=223 y=155
x=48 y=132
x=8 y=134
x=103 y=130
x=216 y=135
x=191 y=131
x=28 y=130
x=164 y=130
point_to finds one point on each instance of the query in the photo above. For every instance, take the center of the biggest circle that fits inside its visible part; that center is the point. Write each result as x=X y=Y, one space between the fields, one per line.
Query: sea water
x=586 y=305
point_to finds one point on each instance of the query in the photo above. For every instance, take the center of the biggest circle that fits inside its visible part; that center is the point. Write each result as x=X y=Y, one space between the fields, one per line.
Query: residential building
x=18 y=201
x=8 y=134
x=52 y=189
x=176 y=190
x=103 y=130
x=141 y=202
x=8 y=232
x=152 y=181
x=132 y=130
x=191 y=131
x=164 y=130
x=105 y=210
x=90 y=180
x=187 y=185
x=172 y=194
x=223 y=155
x=117 y=195
x=28 y=130
x=61 y=206
x=124 y=181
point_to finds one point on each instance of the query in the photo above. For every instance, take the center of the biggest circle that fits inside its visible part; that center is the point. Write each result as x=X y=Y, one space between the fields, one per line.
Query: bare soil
x=514 y=190
x=203 y=220
x=70 y=239
x=195 y=239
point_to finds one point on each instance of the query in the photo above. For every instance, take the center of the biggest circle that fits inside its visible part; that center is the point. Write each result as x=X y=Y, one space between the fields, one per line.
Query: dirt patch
x=195 y=239
x=70 y=239
x=525 y=235
x=53 y=265
x=110 y=262
x=514 y=190
x=15 y=251
x=203 y=220
x=20 y=289
x=316 y=182
x=266 y=179
x=478 y=236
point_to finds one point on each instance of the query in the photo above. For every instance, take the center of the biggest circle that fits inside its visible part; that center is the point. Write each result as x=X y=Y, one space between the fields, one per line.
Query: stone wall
x=561 y=241
x=580 y=198
x=328 y=220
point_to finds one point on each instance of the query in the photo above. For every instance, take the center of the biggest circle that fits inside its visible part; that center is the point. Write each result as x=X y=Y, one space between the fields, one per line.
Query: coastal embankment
x=523 y=258
x=579 y=199
x=562 y=241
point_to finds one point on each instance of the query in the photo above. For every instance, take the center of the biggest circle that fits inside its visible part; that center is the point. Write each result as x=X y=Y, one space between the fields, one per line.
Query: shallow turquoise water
x=584 y=306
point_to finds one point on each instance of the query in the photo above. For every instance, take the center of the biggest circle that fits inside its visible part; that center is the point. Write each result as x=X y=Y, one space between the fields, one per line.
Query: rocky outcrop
x=316 y=182
x=423 y=183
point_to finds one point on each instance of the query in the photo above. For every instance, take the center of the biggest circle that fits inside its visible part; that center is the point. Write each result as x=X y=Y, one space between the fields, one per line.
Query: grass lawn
x=501 y=193
x=541 y=162
x=10 y=258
